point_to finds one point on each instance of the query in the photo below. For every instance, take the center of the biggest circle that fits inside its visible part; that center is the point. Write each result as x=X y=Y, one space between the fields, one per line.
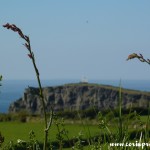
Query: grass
x=12 y=131
x=17 y=130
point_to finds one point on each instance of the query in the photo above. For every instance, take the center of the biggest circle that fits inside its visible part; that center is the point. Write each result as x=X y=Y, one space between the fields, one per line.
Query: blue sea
x=12 y=90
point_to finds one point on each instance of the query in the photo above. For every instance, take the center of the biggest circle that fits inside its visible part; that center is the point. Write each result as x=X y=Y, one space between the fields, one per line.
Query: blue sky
x=74 y=38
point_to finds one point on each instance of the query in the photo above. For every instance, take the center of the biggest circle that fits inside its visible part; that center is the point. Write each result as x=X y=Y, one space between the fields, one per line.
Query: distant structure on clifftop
x=84 y=80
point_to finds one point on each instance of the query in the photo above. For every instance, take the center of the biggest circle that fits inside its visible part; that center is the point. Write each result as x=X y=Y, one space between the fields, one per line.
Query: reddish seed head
x=30 y=56
x=14 y=28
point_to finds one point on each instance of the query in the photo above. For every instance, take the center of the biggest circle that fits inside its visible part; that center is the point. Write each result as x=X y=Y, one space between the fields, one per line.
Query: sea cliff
x=79 y=96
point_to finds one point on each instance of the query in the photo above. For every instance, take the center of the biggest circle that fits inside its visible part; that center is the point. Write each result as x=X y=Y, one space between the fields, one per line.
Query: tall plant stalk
x=31 y=56
x=142 y=59
x=120 y=113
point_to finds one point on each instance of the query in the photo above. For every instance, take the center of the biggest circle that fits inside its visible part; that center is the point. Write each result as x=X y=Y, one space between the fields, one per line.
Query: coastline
x=13 y=89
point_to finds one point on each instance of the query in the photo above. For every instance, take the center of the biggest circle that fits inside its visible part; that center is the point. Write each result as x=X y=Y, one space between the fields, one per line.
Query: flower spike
x=140 y=57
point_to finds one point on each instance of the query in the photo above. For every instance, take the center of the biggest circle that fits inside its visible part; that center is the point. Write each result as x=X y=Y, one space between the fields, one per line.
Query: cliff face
x=79 y=96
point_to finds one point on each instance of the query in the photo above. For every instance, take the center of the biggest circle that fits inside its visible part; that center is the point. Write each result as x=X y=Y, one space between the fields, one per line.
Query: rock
x=79 y=97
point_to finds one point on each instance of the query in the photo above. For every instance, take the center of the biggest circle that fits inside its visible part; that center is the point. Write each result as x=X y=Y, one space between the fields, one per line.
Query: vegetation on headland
x=125 y=90
x=90 y=114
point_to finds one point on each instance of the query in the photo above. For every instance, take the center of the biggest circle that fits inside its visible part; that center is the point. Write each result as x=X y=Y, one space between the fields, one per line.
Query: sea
x=11 y=90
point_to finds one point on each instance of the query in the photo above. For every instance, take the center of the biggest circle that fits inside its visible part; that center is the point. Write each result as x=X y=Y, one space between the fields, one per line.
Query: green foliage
x=22 y=116
x=33 y=143
x=5 y=117
x=92 y=113
x=88 y=113
x=62 y=135
x=1 y=139
x=102 y=132
x=79 y=144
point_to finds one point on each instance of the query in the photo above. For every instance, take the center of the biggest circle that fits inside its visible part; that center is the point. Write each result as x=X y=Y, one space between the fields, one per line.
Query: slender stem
x=14 y=28
x=50 y=120
x=59 y=136
x=120 y=113
x=41 y=95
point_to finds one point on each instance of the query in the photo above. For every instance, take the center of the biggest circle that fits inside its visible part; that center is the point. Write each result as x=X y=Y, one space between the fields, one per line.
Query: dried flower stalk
x=140 y=57
x=31 y=56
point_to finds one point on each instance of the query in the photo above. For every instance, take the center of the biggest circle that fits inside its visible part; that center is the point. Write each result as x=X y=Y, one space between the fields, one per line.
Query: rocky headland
x=79 y=96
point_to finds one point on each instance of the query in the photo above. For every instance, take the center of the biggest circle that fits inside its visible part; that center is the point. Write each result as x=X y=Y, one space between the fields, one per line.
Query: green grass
x=16 y=130
x=143 y=118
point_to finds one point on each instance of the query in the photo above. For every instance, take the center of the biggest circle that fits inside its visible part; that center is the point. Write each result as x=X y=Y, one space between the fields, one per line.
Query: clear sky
x=76 y=38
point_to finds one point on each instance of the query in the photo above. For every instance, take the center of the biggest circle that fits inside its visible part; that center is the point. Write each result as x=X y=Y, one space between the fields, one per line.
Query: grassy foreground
x=12 y=131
